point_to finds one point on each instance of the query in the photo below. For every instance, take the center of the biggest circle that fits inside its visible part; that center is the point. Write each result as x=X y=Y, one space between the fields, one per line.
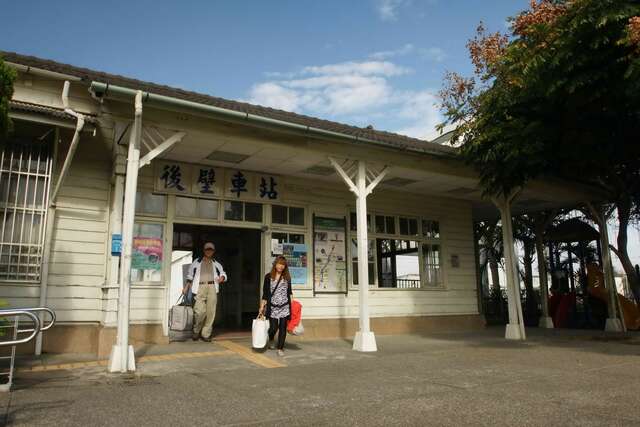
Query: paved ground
x=555 y=378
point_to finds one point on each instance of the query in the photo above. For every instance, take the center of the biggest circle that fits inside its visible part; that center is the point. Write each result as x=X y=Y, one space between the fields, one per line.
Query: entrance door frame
x=171 y=220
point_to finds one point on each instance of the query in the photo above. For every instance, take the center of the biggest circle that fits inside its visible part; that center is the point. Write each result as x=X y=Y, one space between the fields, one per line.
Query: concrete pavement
x=555 y=378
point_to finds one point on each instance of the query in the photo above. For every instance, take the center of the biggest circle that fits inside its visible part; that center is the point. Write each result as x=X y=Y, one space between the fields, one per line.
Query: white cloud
x=422 y=110
x=384 y=68
x=431 y=53
x=354 y=92
x=404 y=50
x=274 y=95
x=388 y=9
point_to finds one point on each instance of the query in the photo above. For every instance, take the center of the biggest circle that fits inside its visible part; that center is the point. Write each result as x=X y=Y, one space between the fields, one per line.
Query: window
x=385 y=224
x=233 y=211
x=353 y=221
x=287 y=215
x=408 y=226
x=190 y=207
x=151 y=204
x=430 y=229
x=253 y=212
x=297 y=238
x=371 y=261
x=407 y=253
x=146 y=253
x=432 y=266
x=398 y=264
x=242 y=211
x=25 y=178
x=279 y=214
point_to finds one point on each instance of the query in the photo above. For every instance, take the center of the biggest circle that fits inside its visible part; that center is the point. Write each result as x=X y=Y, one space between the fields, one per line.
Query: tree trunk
x=624 y=212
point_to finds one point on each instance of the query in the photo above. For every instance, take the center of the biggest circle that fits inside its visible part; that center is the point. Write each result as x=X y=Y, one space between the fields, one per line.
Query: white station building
x=104 y=171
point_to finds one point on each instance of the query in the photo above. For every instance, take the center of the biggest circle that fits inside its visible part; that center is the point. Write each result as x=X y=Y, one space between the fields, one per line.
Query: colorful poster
x=296 y=255
x=330 y=255
x=146 y=253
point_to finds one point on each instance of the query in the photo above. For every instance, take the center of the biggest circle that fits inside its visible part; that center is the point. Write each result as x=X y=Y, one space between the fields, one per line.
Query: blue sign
x=116 y=244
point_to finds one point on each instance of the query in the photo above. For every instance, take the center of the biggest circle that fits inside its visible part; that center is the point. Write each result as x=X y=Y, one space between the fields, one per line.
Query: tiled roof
x=58 y=113
x=392 y=140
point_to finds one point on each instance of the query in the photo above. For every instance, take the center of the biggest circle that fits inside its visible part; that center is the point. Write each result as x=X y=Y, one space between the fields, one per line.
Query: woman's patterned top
x=279 y=299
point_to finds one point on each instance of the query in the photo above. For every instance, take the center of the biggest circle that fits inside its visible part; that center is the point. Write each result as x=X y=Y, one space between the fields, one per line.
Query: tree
x=7 y=77
x=558 y=96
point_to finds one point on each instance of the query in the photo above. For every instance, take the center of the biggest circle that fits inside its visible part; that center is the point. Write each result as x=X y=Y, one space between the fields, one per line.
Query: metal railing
x=37 y=327
x=407 y=283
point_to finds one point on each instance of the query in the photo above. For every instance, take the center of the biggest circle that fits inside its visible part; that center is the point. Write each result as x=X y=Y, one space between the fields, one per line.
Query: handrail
x=42 y=326
x=21 y=312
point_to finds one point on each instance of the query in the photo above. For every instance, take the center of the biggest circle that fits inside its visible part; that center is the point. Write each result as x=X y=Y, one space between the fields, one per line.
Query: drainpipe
x=51 y=214
x=103 y=90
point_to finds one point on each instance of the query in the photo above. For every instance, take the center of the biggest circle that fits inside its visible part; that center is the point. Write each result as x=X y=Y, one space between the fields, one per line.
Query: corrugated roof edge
x=392 y=140
x=48 y=111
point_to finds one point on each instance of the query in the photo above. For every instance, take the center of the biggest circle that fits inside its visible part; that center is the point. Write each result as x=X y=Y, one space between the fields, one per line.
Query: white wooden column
x=122 y=358
x=614 y=322
x=515 y=327
x=365 y=339
x=541 y=223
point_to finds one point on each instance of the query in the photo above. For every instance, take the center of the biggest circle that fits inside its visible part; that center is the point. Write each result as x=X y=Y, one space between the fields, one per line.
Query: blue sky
x=377 y=62
x=360 y=62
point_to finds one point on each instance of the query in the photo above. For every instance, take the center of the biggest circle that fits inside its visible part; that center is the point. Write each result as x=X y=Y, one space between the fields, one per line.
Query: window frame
x=141 y=191
x=288 y=224
x=26 y=206
x=420 y=238
x=244 y=212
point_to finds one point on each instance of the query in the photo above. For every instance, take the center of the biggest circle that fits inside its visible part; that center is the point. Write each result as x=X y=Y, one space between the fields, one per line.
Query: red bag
x=296 y=315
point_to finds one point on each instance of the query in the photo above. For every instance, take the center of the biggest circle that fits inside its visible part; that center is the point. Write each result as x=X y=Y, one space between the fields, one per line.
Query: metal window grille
x=25 y=179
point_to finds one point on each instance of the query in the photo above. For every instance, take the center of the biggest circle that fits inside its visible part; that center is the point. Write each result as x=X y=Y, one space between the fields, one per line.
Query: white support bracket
x=344 y=176
x=161 y=148
x=373 y=184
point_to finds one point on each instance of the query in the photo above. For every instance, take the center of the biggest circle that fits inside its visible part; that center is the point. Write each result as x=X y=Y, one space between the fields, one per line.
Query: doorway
x=238 y=250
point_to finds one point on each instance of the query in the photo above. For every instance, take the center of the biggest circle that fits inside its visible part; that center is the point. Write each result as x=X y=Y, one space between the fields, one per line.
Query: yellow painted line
x=178 y=356
x=248 y=354
x=152 y=358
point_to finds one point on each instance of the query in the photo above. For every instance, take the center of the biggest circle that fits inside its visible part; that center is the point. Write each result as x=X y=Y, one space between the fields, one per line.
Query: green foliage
x=7 y=77
x=563 y=100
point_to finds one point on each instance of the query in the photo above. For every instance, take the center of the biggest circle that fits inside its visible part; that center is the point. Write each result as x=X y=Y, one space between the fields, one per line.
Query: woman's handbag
x=259 y=332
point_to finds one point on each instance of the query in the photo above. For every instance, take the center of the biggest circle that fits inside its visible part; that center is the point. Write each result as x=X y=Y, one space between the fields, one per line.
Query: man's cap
x=209 y=245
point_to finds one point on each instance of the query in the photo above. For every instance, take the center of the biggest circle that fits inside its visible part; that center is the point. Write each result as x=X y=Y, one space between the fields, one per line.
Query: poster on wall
x=296 y=255
x=146 y=253
x=329 y=255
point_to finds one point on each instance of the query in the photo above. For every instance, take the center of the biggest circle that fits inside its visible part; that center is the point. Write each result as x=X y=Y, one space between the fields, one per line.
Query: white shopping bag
x=259 y=333
x=299 y=329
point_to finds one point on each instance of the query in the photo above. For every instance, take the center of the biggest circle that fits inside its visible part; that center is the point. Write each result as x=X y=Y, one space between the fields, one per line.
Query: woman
x=276 y=301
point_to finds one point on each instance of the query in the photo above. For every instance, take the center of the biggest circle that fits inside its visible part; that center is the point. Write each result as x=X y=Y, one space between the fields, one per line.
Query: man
x=205 y=275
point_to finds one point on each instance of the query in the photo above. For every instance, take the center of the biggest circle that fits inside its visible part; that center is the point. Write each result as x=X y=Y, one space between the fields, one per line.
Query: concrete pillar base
x=546 y=322
x=613 y=325
x=513 y=332
x=365 y=341
x=115 y=359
